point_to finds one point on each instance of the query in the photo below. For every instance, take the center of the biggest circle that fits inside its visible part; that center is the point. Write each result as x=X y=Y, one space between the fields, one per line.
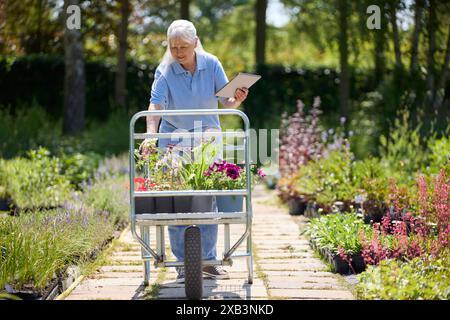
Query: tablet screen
x=242 y=80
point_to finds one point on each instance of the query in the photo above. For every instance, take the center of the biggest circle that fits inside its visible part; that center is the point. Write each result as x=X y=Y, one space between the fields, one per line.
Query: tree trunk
x=414 y=67
x=344 y=86
x=396 y=37
x=74 y=78
x=440 y=88
x=431 y=26
x=260 y=45
x=121 y=74
x=380 y=43
x=184 y=9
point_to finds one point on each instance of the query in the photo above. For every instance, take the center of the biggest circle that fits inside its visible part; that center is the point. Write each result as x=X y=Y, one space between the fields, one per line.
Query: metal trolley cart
x=193 y=255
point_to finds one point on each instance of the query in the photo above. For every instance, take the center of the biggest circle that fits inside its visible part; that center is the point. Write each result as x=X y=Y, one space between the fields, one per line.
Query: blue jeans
x=176 y=233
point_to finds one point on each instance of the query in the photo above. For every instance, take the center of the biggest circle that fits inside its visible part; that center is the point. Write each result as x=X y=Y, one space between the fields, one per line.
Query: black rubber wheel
x=193 y=283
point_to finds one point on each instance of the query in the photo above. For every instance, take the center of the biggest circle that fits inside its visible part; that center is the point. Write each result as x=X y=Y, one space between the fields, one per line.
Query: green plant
x=338 y=230
x=35 y=182
x=78 y=167
x=327 y=179
x=35 y=247
x=108 y=195
x=413 y=280
x=403 y=151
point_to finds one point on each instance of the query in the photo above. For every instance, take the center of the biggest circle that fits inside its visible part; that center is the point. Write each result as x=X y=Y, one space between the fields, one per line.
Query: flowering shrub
x=300 y=138
x=408 y=232
x=303 y=142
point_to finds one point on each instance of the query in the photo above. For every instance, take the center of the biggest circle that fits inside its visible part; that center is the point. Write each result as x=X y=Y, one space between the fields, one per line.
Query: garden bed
x=338 y=264
x=64 y=279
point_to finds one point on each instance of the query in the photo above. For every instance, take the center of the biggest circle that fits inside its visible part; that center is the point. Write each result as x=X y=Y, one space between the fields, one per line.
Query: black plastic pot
x=297 y=206
x=173 y=204
x=339 y=265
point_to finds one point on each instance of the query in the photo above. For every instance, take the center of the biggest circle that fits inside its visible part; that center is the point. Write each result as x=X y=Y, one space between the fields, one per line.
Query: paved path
x=285 y=266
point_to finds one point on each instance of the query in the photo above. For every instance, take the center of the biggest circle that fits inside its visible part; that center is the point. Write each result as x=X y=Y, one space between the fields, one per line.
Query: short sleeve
x=160 y=90
x=220 y=78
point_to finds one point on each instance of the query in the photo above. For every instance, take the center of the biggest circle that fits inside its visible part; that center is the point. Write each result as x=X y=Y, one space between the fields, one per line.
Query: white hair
x=184 y=30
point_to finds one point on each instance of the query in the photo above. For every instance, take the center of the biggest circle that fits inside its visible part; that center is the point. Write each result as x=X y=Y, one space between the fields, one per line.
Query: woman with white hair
x=188 y=78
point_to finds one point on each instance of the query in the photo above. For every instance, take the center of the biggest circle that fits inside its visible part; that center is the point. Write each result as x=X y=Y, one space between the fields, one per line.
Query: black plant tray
x=338 y=264
x=173 y=204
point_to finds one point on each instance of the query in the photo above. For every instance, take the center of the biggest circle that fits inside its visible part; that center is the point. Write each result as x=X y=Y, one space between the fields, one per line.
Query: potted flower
x=161 y=172
x=228 y=176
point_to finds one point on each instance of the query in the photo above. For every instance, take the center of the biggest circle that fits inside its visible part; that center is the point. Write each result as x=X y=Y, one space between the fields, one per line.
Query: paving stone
x=311 y=294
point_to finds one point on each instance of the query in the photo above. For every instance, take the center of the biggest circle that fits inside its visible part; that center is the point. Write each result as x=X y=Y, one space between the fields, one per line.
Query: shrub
x=29 y=128
x=36 y=182
x=108 y=195
x=414 y=280
x=327 y=180
x=403 y=151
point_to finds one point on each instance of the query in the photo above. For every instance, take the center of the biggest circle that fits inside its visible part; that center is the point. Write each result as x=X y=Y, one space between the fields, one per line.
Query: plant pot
x=202 y=204
x=297 y=206
x=164 y=205
x=182 y=204
x=151 y=205
x=341 y=266
x=230 y=203
x=144 y=205
x=311 y=210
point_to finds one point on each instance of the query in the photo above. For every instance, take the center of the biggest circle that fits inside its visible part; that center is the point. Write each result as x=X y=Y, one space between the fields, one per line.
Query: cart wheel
x=193 y=283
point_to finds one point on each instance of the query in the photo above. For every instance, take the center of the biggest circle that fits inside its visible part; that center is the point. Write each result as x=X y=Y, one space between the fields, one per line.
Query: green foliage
x=193 y=167
x=79 y=167
x=403 y=151
x=414 y=280
x=29 y=128
x=370 y=179
x=338 y=230
x=32 y=127
x=440 y=153
x=108 y=195
x=107 y=138
x=327 y=179
x=35 y=182
x=37 y=246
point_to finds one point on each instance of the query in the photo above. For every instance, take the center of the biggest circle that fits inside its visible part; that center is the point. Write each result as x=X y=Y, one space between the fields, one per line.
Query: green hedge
x=40 y=78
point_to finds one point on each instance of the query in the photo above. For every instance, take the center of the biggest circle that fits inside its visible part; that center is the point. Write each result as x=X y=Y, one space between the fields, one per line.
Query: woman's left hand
x=241 y=94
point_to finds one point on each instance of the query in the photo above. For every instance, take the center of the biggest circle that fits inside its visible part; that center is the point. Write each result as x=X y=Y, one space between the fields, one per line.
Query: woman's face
x=182 y=50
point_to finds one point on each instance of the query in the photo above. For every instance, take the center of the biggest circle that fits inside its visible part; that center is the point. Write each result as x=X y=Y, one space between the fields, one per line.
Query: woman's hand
x=148 y=146
x=241 y=94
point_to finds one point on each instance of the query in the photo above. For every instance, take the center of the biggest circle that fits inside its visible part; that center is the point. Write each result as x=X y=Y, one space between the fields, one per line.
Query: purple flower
x=233 y=172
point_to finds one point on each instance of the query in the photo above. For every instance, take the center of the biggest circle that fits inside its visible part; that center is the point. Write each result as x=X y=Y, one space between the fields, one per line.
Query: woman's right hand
x=148 y=146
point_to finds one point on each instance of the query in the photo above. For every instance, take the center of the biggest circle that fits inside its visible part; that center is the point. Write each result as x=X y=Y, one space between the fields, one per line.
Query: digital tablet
x=242 y=80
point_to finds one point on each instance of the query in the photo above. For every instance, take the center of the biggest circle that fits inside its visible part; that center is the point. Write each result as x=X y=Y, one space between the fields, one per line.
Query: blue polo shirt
x=174 y=88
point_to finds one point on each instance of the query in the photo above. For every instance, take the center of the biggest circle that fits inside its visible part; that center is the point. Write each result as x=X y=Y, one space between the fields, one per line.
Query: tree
x=121 y=74
x=184 y=9
x=260 y=44
x=74 y=79
x=344 y=75
x=393 y=6
x=418 y=11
